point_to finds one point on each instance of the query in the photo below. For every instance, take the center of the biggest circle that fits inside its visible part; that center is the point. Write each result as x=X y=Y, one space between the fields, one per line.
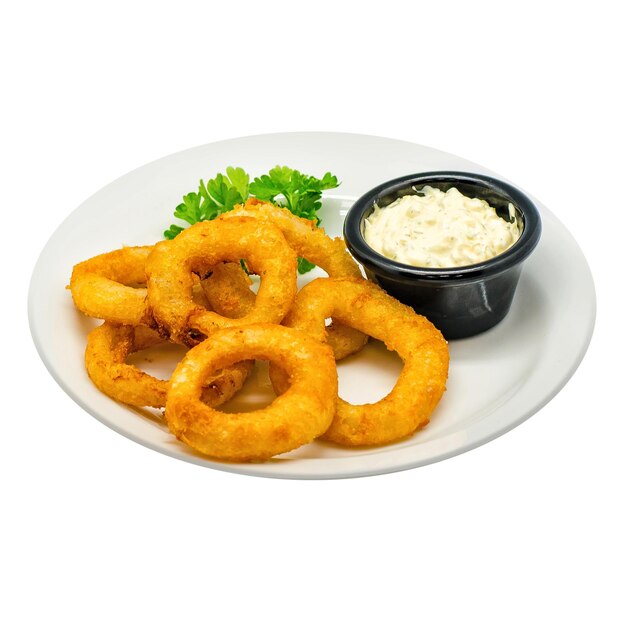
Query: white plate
x=497 y=379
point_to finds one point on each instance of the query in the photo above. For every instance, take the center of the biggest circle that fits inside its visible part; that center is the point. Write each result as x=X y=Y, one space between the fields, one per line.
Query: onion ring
x=111 y=286
x=108 y=347
x=102 y=286
x=309 y=242
x=419 y=344
x=294 y=418
x=204 y=245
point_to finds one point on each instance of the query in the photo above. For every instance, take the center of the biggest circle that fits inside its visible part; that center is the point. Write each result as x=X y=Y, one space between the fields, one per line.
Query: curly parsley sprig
x=282 y=185
x=218 y=195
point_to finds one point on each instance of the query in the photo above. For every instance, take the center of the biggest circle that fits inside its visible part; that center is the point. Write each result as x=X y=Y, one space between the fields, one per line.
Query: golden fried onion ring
x=204 y=245
x=108 y=347
x=309 y=242
x=294 y=418
x=419 y=344
x=102 y=286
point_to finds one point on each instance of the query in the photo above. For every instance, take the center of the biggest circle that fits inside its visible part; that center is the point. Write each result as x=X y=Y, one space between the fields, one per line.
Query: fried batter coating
x=366 y=307
x=171 y=265
x=108 y=347
x=227 y=290
x=112 y=286
x=299 y=415
x=105 y=285
x=309 y=242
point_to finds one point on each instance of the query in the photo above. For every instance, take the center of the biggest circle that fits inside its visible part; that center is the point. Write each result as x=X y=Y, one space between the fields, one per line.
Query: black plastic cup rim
x=520 y=250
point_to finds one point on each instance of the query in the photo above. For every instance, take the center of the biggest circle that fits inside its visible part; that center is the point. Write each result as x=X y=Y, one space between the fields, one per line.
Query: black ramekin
x=460 y=301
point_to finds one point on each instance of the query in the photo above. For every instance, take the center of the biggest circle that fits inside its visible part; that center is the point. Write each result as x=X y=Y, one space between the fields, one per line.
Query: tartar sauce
x=440 y=229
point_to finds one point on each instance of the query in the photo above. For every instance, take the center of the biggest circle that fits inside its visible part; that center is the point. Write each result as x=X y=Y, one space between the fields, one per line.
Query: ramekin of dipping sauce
x=449 y=244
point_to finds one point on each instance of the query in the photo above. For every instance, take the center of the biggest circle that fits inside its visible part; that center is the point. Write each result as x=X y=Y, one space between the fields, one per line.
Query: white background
x=527 y=529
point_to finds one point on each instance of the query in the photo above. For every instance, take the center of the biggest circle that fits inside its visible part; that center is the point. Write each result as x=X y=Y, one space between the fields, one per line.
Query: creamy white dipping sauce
x=440 y=229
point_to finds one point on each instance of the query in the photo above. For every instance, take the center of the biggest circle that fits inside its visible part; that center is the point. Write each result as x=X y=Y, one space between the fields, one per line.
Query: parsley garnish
x=282 y=185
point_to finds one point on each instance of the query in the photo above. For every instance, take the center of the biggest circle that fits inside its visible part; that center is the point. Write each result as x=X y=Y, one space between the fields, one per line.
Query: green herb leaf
x=264 y=188
x=172 y=231
x=240 y=180
x=218 y=195
x=190 y=209
x=300 y=193
x=304 y=266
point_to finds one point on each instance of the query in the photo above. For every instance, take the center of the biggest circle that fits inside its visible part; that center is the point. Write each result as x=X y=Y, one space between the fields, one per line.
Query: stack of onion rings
x=193 y=291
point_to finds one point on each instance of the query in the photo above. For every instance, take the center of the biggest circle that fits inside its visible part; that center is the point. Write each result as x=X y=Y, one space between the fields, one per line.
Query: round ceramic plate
x=497 y=379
